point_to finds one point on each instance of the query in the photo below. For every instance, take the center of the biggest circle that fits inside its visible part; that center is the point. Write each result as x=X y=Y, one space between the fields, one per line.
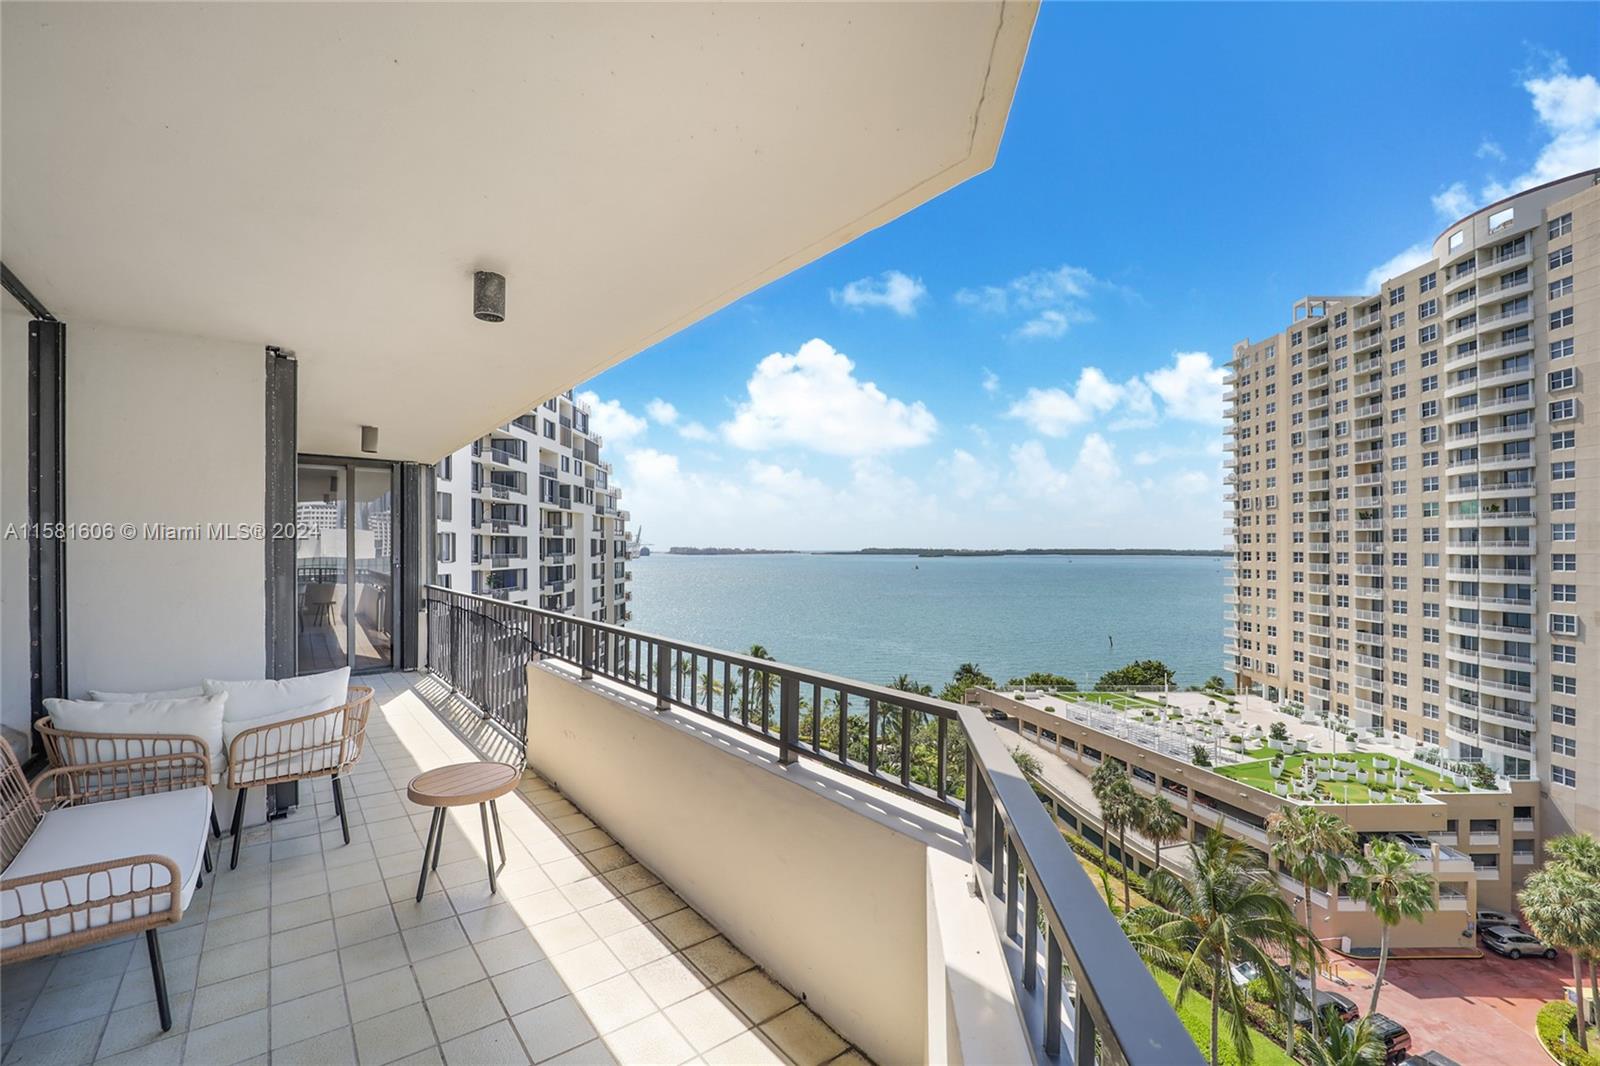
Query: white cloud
x=1054 y=300
x=1054 y=411
x=661 y=412
x=611 y=420
x=1488 y=149
x=1396 y=265
x=695 y=431
x=991 y=381
x=1453 y=202
x=964 y=475
x=814 y=400
x=1569 y=110
x=898 y=292
x=1191 y=388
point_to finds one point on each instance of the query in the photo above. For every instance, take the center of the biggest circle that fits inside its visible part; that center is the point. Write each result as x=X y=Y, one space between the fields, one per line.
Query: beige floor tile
x=668 y=980
x=365 y=925
x=235 y=960
x=373 y=956
x=633 y=878
x=490 y=922
x=638 y=945
x=497 y=1045
x=163 y=1052
x=588 y=965
x=656 y=901
x=453 y=969
x=607 y=859
x=553 y=1028
x=95 y=963
x=566 y=870
x=382 y=993
x=293 y=945
x=803 y=1037
x=589 y=892
x=69 y=1005
x=529 y=987
x=509 y=952
x=320 y=1012
x=563 y=934
x=685 y=928
x=615 y=1003
x=337 y=1048
x=394 y=1035
x=718 y=959
x=652 y=1040
x=591 y=840
x=68 y=1045
x=305 y=976
x=612 y=916
x=229 y=999
x=462 y=1010
x=594 y=1053
x=435 y=906
x=435 y=938
x=141 y=1025
x=138 y=986
x=540 y=907
x=706 y=1019
x=225 y=1043
x=758 y=996
x=306 y=911
x=357 y=898
x=749 y=1048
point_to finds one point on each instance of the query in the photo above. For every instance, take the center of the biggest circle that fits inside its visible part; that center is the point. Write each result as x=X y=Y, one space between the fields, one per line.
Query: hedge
x=1555 y=1019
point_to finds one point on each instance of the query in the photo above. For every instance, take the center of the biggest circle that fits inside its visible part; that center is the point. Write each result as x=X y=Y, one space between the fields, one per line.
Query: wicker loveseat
x=324 y=743
x=98 y=851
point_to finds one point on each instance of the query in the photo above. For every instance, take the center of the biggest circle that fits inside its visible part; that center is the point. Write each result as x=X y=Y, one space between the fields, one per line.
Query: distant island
x=958 y=553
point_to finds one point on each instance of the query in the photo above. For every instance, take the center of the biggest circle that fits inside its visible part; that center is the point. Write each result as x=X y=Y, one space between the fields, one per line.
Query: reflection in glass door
x=344 y=565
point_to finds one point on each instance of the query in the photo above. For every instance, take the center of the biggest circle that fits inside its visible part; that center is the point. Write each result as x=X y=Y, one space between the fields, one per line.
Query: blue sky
x=1033 y=358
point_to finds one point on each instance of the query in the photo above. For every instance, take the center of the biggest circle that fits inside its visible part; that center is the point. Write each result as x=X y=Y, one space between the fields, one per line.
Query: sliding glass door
x=345 y=564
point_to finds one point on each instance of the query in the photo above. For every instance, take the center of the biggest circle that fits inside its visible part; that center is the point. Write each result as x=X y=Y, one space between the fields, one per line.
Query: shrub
x=1201 y=757
x=1482 y=775
x=1555 y=1021
x=1279 y=731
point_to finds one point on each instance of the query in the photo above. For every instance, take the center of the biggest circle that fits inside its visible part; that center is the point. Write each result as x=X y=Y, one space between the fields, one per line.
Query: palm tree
x=1356 y=1045
x=1226 y=912
x=1316 y=848
x=760 y=690
x=1107 y=778
x=1388 y=884
x=1161 y=824
x=1582 y=851
x=1117 y=811
x=1561 y=907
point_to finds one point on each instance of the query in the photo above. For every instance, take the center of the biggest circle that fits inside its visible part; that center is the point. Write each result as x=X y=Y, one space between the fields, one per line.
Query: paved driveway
x=1477 y=1011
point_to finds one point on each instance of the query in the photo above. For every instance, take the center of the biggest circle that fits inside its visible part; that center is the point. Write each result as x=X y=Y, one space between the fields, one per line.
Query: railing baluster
x=905 y=746
x=1011 y=888
x=1030 y=937
x=1052 y=996
x=872 y=736
x=1083 y=1030
x=844 y=727
x=816 y=718
x=997 y=847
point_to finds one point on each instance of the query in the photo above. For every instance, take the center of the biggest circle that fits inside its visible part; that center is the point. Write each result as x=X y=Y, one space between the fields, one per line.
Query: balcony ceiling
x=326 y=177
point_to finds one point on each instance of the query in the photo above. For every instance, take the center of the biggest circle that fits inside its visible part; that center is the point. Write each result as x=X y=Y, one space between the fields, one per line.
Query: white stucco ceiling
x=326 y=177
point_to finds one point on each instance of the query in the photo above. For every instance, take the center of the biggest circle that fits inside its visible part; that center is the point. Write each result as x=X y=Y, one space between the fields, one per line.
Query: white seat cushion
x=105 y=696
x=291 y=750
x=257 y=699
x=171 y=824
x=199 y=717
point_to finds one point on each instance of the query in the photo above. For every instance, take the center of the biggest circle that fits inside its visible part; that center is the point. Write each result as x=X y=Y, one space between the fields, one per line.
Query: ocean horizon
x=873 y=616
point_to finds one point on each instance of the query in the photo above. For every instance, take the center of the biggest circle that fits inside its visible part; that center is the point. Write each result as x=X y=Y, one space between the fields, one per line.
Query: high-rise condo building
x=528 y=513
x=1414 y=502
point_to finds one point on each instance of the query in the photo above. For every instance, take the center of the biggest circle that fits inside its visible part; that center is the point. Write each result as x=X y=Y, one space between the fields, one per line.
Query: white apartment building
x=528 y=513
x=1412 y=496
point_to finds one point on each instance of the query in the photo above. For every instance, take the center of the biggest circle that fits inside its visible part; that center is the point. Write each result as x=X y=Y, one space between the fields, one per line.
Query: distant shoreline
x=959 y=553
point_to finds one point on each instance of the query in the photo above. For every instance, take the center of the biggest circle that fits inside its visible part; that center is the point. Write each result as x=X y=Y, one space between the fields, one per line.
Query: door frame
x=397 y=519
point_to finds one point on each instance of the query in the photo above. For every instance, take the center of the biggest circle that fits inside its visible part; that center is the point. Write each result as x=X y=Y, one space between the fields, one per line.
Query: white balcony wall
x=14 y=687
x=165 y=429
x=849 y=896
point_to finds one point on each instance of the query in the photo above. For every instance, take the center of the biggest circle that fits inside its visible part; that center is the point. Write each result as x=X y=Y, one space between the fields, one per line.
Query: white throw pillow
x=258 y=699
x=292 y=750
x=105 y=696
x=199 y=717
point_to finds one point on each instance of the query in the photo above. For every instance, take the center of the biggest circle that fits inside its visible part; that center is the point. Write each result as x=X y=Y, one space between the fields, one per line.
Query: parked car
x=1430 y=1058
x=1243 y=973
x=1513 y=943
x=1343 y=1006
x=1395 y=1037
x=1492 y=918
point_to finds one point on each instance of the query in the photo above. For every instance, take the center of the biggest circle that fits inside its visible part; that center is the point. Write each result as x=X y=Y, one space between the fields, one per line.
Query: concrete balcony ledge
x=852 y=897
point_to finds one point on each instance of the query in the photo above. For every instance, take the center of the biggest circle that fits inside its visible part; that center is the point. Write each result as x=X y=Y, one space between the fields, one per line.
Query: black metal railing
x=1085 y=995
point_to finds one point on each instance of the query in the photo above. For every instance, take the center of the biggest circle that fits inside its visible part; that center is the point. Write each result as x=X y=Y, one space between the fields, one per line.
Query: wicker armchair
x=325 y=744
x=66 y=748
x=98 y=851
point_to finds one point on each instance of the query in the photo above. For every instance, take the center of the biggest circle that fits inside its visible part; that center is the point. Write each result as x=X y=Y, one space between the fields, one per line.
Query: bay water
x=873 y=617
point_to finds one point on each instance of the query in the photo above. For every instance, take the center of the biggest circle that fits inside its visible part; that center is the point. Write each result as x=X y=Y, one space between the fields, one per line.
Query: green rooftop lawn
x=1258 y=775
x=1120 y=701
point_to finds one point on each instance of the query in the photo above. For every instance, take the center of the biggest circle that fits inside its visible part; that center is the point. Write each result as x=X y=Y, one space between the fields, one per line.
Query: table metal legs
x=435 y=844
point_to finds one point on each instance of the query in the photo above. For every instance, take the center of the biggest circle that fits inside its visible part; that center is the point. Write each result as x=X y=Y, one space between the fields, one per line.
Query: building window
x=1397 y=295
x=1561 y=319
x=1563 y=471
x=1560 y=257
x=1560 y=745
x=1565 y=684
x=442 y=469
x=1427 y=334
x=1564 y=625
x=1564 y=775
x=1562 y=410
x=1564 y=715
x=1563 y=501
x=1564 y=562
x=442 y=505
x=1561 y=349
x=1561 y=287
x=1564 y=531
x=1562 y=379
x=1563 y=440
x=1564 y=593
x=1560 y=227
x=1430 y=736
x=445 y=547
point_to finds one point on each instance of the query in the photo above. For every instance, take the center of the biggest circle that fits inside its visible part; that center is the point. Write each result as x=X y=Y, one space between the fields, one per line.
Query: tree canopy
x=1145 y=673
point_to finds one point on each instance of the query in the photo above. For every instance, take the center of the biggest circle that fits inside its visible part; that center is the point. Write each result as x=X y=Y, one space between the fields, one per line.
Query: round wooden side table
x=458 y=785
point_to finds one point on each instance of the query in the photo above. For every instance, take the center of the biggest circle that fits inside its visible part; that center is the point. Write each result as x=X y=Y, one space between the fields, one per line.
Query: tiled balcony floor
x=316 y=952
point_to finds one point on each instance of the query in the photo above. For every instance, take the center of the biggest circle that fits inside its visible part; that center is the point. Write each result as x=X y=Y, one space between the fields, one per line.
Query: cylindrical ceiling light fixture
x=369 y=439
x=489 y=296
